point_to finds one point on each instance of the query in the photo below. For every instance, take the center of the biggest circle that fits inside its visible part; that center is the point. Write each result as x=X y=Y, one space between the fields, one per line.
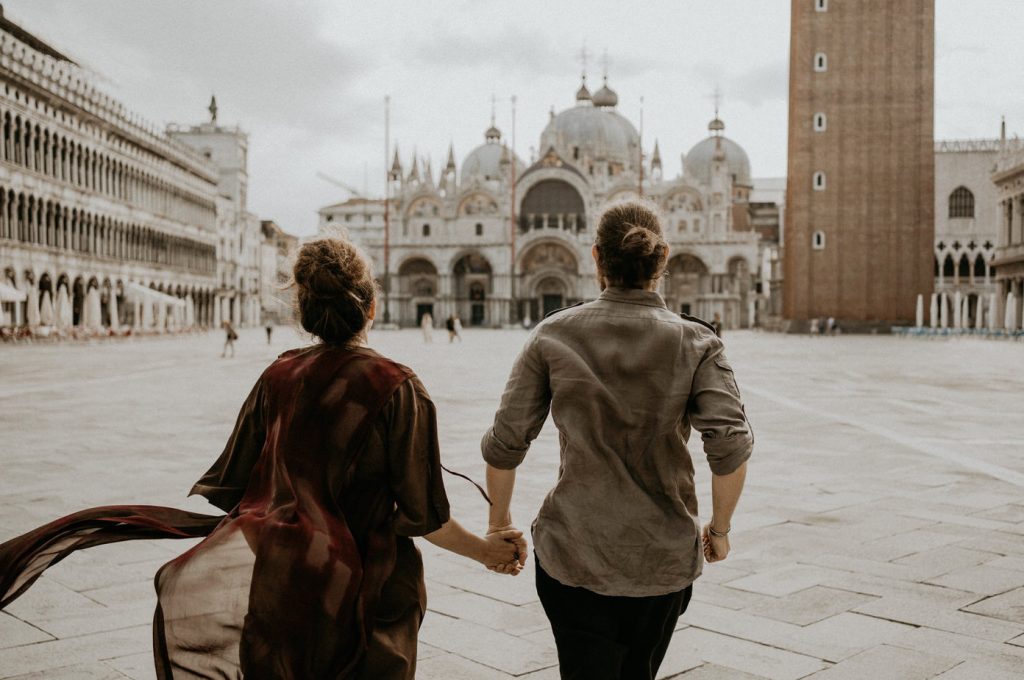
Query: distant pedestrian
x=427 y=326
x=270 y=332
x=830 y=326
x=814 y=326
x=717 y=323
x=449 y=324
x=229 y=339
x=458 y=328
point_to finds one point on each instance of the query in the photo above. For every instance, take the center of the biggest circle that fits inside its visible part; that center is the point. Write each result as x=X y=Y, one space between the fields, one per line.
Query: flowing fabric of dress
x=332 y=466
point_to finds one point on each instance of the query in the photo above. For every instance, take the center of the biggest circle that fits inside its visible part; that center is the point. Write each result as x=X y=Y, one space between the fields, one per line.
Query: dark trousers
x=600 y=637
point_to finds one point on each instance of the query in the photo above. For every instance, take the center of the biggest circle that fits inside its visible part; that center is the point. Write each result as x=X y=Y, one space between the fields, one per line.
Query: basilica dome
x=485 y=161
x=594 y=132
x=697 y=163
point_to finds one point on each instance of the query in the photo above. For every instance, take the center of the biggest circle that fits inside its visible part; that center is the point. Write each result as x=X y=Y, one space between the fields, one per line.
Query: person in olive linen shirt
x=617 y=540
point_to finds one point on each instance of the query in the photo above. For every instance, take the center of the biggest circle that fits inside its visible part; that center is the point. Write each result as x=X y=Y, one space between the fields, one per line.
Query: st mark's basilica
x=451 y=248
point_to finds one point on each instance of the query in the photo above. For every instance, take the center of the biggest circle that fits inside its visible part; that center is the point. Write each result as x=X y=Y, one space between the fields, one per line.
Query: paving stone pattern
x=881 y=534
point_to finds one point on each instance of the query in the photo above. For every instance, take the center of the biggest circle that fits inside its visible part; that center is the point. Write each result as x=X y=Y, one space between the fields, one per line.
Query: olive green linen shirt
x=625 y=379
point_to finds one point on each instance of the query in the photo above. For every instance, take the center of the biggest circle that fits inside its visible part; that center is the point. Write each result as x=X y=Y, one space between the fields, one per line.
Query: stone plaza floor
x=881 y=534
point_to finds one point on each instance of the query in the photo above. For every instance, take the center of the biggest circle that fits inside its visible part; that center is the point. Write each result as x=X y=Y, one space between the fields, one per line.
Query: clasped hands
x=506 y=549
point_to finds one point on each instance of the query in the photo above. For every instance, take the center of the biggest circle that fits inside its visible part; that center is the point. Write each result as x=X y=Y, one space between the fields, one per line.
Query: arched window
x=479 y=229
x=819 y=181
x=948 y=267
x=979 y=266
x=426 y=230
x=964 y=270
x=820 y=122
x=818 y=240
x=961 y=203
x=820 y=5
x=820 y=62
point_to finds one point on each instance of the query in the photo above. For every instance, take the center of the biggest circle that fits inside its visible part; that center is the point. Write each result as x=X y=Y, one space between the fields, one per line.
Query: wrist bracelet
x=718 y=534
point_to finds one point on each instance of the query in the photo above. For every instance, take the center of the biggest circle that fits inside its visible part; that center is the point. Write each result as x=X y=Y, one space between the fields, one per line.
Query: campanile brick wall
x=877 y=156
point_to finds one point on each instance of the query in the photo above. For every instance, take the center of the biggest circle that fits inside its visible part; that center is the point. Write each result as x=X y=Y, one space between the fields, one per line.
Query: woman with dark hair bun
x=332 y=467
x=618 y=542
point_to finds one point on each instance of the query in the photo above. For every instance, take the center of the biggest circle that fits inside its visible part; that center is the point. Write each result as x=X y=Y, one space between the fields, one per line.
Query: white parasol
x=32 y=307
x=115 y=322
x=46 y=316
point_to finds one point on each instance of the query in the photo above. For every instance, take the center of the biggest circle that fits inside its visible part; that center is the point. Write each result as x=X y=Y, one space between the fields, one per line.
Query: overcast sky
x=307 y=80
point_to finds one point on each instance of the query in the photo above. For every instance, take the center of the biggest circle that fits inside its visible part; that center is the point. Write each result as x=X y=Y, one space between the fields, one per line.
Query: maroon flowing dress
x=332 y=466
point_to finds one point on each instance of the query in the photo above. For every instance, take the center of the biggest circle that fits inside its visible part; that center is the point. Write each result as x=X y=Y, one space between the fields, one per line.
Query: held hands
x=716 y=548
x=506 y=552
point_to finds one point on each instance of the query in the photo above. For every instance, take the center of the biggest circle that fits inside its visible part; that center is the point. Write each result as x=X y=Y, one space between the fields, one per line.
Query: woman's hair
x=334 y=289
x=630 y=249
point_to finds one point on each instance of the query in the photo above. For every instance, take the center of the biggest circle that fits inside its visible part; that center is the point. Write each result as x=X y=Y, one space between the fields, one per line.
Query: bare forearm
x=725 y=494
x=453 y=537
x=500 y=484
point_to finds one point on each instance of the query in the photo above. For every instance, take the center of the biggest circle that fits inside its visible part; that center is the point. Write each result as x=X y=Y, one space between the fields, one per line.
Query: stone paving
x=881 y=534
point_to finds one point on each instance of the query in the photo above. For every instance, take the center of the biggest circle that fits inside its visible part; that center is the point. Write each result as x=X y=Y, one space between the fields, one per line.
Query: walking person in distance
x=617 y=541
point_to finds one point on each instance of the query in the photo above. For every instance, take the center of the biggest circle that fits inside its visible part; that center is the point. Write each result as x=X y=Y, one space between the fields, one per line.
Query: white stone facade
x=239 y=236
x=277 y=253
x=453 y=249
x=966 y=226
x=1009 y=261
x=91 y=197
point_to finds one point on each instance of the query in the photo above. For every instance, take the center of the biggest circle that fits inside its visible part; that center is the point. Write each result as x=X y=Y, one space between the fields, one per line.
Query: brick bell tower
x=859 y=221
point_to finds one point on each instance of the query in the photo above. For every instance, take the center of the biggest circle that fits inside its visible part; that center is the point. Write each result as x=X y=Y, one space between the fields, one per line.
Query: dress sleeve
x=414 y=461
x=224 y=484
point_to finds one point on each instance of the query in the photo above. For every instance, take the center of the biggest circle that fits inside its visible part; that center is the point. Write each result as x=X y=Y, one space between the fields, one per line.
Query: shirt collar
x=633 y=296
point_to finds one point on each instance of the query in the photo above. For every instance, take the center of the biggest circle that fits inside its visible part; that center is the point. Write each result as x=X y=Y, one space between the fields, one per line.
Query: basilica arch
x=552 y=203
x=687 y=285
x=473 y=285
x=418 y=290
x=550 y=277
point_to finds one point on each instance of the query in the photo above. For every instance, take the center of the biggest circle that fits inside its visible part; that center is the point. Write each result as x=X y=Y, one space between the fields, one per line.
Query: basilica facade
x=497 y=240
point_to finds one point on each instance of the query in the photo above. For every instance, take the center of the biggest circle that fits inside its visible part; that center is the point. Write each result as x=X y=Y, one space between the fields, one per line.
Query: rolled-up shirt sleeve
x=523 y=410
x=716 y=411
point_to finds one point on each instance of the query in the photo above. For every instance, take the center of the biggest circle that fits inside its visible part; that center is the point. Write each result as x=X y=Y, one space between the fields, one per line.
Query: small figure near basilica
x=427 y=326
x=229 y=339
x=716 y=322
x=270 y=331
x=454 y=326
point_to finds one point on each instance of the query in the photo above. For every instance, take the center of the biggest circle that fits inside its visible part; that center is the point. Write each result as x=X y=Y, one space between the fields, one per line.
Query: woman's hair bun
x=639 y=242
x=334 y=289
x=631 y=251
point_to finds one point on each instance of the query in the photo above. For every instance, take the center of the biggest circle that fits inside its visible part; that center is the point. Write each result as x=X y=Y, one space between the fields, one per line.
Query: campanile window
x=820 y=5
x=820 y=122
x=818 y=240
x=820 y=62
x=819 y=181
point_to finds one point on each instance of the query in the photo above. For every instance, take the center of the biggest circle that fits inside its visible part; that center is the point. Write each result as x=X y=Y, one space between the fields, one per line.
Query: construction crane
x=338 y=183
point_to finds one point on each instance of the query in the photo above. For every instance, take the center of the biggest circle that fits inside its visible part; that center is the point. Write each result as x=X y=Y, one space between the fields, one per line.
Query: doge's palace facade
x=92 y=197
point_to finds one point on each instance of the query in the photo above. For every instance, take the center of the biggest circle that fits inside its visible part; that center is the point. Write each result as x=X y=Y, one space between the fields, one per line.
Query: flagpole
x=514 y=306
x=387 y=210
x=640 y=186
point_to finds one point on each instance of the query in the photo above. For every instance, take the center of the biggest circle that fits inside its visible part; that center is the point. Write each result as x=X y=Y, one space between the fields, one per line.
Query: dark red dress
x=332 y=466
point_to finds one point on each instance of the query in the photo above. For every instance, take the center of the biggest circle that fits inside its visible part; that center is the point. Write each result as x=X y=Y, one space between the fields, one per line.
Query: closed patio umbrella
x=147 y=315
x=46 y=316
x=95 y=310
x=63 y=311
x=32 y=307
x=115 y=323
